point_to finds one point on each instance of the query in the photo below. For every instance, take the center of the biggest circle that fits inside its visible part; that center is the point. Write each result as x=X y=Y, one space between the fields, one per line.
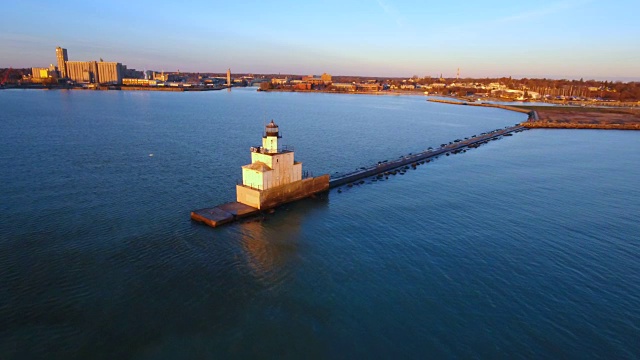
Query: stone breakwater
x=384 y=168
x=505 y=107
x=560 y=125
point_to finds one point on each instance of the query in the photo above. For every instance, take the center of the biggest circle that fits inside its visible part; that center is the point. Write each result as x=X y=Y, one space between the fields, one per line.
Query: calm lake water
x=527 y=247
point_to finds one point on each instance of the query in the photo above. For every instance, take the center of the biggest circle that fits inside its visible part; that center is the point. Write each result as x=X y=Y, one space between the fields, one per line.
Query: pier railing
x=281 y=149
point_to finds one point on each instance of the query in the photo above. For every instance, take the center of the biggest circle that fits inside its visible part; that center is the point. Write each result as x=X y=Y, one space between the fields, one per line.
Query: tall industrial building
x=61 y=55
x=94 y=72
x=91 y=72
x=82 y=71
x=109 y=73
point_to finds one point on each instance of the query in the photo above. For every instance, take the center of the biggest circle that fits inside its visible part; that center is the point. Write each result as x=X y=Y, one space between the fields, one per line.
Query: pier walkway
x=427 y=155
x=233 y=211
x=482 y=104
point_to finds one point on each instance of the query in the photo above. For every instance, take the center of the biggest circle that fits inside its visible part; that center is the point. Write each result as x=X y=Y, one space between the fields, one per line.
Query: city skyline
x=553 y=39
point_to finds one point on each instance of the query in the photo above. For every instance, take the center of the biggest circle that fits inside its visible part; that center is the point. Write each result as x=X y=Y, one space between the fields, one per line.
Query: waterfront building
x=160 y=76
x=39 y=73
x=167 y=77
x=324 y=79
x=211 y=81
x=131 y=73
x=344 y=86
x=274 y=177
x=368 y=87
x=229 y=77
x=61 y=56
x=109 y=73
x=94 y=72
x=82 y=71
x=301 y=86
x=279 y=81
x=496 y=86
x=139 y=82
x=436 y=86
x=102 y=72
x=44 y=74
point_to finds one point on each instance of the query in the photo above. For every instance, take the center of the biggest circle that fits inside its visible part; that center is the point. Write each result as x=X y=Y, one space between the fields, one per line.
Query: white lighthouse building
x=274 y=177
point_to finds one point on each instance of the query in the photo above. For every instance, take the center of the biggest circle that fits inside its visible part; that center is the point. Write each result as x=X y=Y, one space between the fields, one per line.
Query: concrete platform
x=271 y=198
x=223 y=214
x=237 y=209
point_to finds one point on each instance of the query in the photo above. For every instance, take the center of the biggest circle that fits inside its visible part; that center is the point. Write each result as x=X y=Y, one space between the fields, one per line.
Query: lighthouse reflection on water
x=271 y=244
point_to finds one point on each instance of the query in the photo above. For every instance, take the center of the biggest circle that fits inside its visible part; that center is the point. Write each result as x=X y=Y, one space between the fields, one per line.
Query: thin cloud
x=540 y=12
x=391 y=12
x=466 y=30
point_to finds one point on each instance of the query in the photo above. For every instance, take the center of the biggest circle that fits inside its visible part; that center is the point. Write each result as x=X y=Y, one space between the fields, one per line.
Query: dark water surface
x=527 y=247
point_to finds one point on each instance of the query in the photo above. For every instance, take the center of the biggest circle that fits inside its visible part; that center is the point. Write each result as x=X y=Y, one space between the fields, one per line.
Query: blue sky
x=568 y=38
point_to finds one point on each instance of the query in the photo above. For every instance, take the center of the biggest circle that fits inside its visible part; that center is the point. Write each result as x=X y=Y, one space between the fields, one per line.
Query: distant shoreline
x=561 y=117
x=455 y=100
x=385 y=92
x=568 y=117
x=468 y=101
x=548 y=125
x=119 y=88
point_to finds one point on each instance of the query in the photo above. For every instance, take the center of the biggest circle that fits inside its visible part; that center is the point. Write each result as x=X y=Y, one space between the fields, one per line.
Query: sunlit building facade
x=61 y=56
x=109 y=73
x=82 y=71
x=87 y=72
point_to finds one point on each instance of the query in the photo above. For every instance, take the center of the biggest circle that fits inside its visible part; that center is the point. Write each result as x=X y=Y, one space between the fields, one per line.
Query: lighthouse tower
x=270 y=138
x=274 y=177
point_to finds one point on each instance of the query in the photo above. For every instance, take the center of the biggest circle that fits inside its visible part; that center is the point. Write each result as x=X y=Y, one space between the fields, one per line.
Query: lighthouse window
x=277 y=160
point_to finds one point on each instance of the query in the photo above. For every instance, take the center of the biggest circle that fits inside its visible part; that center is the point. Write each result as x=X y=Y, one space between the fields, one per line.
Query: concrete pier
x=413 y=158
x=497 y=106
x=229 y=212
x=223 y=214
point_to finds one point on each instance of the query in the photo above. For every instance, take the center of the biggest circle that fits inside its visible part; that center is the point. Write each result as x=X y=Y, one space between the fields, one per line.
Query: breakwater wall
x=233 y=211
x=568 y=125
x=505 y=107
x=414 y=159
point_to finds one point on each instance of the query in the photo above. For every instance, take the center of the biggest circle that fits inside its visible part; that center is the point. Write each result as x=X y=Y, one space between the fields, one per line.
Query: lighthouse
x=274 y=177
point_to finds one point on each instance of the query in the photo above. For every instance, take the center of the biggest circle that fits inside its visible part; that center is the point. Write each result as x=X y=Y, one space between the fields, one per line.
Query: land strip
x=565 y=117
x=568 y=117
x=505 y=107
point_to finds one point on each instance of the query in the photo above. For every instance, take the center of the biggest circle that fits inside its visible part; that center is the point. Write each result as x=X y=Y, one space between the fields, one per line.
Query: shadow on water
x=266 y=253
x=271 y=242
x=149 y=295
